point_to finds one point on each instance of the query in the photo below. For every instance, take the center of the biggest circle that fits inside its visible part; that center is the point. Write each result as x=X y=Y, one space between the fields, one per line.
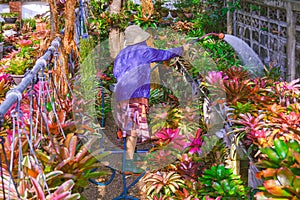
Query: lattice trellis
x=263 y=25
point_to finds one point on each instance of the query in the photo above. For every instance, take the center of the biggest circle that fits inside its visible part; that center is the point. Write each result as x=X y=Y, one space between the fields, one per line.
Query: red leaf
x=275 y=188
x=38 y=189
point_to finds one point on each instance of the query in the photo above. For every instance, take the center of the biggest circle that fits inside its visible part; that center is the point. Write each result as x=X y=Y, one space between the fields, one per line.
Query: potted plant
x=173 y=13
x=16 y=7
x=20 y=61
x=10 y=17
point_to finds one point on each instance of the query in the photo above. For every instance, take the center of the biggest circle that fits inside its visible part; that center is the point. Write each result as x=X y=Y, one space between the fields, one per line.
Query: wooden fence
x=272 y=29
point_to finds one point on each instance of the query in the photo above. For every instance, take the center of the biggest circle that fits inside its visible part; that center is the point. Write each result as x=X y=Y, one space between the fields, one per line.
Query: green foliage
x=98 y=6
x=218 y=50
x=139 y=19
x=31 y=22
x=272 y=72
x=86 y=47
x=8 y=15
x=222 y=53
x=1 y=36
x=211 y=15
x=19 y=65
x=281 y=171
x=220 y=181
x=87 y=74
x=242 y=108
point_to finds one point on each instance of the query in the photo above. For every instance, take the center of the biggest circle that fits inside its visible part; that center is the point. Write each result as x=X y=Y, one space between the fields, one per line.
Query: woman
x=132 y=71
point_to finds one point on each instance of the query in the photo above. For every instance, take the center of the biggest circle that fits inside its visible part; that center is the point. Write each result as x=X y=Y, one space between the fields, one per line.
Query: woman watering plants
x=132 y=71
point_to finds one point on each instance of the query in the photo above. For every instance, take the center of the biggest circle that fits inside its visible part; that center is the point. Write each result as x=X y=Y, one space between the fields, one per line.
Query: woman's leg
x=130 y=146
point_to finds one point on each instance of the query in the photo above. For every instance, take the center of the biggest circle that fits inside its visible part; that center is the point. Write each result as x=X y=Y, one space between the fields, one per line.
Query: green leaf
x=296 y=171
x=271 y=153
x=220 y=171
x=293 y=144
x=96 y=174
x=297 y=157
x=281 y=148
x=49 y=106
x=267 y=164
x=218 y=188
x=82 y=183
x=226 y=185
x=296 y=183
x=285 y=176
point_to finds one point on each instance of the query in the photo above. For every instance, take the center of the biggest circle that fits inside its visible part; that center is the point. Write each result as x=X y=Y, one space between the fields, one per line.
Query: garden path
x=114 y=189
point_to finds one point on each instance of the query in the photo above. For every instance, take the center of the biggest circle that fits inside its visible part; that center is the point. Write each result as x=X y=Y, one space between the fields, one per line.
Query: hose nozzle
x=221 y=36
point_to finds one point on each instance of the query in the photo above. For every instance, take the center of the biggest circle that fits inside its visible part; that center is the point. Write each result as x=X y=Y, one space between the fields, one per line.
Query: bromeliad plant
x=162 y=183
x=221 y=181
x=62 y=192
x=281 y=171
x=72 y=158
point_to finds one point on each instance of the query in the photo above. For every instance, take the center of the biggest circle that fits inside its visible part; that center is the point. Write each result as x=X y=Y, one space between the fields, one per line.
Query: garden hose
x=219 y=35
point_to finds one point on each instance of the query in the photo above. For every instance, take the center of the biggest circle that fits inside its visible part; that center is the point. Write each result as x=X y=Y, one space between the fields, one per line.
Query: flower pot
x=16 y=7
x=10 y=20
x=17 y=78
x=174 y=13
x=189 y=15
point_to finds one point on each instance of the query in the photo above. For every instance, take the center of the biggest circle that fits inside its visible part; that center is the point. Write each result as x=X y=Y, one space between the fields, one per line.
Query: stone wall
x=272 y=29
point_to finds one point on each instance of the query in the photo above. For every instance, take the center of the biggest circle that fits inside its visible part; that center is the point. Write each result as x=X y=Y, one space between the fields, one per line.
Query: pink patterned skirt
x=132 y=118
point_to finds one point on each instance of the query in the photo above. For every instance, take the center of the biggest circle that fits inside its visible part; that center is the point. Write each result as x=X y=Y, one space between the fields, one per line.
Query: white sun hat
x=134 y=35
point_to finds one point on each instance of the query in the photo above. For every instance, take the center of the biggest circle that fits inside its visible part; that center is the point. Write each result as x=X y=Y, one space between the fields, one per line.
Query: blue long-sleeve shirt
x=132 y=69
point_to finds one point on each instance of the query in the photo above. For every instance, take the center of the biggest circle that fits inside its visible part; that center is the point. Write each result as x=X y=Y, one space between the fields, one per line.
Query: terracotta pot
x=189 y=15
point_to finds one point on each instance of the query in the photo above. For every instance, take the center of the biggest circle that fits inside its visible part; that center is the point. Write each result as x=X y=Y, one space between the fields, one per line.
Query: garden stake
x=1 y=171
x=35 y=158
x=51 y=80
x=2 y=140
x=32 y=93
x=15 y=113
x=54 y=110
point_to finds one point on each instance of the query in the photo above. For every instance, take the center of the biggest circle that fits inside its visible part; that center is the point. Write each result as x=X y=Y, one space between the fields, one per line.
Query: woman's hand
x=186 y=47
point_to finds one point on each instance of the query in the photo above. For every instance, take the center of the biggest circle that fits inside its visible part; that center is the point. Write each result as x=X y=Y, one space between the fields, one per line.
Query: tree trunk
x=229 y=19
x=54 y=23
x=116 y=39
